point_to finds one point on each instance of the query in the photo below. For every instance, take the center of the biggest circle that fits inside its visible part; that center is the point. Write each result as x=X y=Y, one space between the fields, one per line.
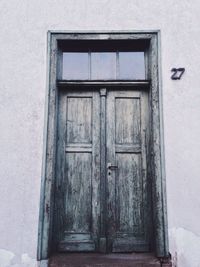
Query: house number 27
x=177 y=73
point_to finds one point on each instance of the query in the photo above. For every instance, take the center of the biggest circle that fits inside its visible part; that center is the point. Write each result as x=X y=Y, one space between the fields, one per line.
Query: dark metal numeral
x=177 y=73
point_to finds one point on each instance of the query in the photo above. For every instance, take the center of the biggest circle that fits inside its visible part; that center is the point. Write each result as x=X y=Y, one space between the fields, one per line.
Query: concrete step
x=105 y=260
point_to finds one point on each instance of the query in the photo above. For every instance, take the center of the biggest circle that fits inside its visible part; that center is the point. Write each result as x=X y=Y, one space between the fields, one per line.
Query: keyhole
x=109 y=172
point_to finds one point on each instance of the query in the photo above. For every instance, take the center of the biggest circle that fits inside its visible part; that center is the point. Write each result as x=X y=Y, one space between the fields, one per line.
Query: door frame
x=50 y=133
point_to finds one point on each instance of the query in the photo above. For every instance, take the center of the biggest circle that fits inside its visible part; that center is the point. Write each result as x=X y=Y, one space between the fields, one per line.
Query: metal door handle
x=112 y=167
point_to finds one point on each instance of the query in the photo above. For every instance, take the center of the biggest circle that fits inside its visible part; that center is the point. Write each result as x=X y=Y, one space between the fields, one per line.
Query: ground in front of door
x=106 y=260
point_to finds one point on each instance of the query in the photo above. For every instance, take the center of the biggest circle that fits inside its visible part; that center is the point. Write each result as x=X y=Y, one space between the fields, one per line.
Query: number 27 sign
x=177 y=73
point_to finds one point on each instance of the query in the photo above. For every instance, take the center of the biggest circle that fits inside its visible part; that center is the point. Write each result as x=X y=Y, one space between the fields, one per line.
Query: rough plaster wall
x=23 y=31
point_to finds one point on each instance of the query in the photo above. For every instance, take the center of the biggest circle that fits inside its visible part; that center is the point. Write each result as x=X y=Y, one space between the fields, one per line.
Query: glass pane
x=75 y=66
x=131 y=65
x=103 y=66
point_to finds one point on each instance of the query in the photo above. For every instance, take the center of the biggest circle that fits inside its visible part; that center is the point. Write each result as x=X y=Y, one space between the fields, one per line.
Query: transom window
x=103 y=65
x=111 y=60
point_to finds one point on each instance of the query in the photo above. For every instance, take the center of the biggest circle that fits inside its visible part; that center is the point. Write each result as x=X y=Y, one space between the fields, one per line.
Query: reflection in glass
x=103 y=66
x=131 y=65
x=75 y=66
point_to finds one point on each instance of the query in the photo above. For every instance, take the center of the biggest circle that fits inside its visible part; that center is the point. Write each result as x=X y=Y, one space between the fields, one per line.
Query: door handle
x=111 y=167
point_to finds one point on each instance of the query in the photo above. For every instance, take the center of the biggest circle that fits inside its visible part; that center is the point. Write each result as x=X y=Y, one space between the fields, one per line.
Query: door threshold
x=106 y=260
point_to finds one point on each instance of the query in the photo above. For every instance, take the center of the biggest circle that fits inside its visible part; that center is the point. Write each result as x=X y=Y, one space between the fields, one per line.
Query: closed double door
x=102 y=198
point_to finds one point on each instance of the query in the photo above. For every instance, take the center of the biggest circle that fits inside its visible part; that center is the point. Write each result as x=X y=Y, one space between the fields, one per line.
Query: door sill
x=106 y=260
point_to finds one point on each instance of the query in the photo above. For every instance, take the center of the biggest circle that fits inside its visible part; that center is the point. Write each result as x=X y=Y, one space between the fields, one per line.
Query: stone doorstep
x=106 y=260
x=166 y=262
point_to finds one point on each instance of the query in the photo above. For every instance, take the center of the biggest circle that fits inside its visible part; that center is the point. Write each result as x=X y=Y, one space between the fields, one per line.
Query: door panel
x=128 y=198
x=127 y=116
x=79 y=120
x=127 y=191
x=77 y=193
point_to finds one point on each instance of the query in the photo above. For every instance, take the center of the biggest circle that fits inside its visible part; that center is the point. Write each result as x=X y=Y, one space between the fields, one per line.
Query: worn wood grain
x=78 y=192
x=79 y=118
x=103 y=200
x=127 y=205
x=144 y=84
x=157 y=158
x=127 y=120
x=46 y=208
x=78 y=171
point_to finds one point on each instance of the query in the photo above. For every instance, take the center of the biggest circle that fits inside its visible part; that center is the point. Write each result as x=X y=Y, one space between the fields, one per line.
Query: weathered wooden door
x=127 y=188
x=86 y=161
x=77 y=192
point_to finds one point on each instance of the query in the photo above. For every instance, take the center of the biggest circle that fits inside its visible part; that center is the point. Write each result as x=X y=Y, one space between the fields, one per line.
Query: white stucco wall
x=23 y=56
